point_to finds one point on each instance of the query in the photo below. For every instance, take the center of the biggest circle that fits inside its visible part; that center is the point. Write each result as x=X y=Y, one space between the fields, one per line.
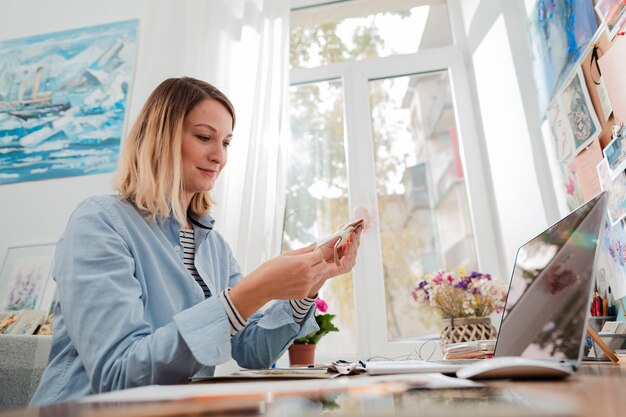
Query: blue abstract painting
x=558 y=32
x=63 y=100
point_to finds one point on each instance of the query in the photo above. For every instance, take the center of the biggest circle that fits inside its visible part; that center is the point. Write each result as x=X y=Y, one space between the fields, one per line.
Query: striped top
x=189 y=254
x=299 y=307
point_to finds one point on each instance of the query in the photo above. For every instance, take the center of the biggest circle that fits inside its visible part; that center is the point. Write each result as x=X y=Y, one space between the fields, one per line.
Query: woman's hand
x=346 y=256
x=289 y=276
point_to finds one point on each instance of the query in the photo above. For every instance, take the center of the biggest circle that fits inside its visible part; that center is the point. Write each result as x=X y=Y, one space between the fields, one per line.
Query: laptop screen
x=550 y=290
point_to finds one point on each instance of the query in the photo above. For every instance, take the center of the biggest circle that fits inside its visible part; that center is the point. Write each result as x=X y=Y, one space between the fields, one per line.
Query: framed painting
x=63 y=101
x=25 y=282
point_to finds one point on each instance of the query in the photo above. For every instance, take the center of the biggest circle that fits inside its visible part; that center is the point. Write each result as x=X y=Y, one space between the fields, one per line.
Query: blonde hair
x=149 y=172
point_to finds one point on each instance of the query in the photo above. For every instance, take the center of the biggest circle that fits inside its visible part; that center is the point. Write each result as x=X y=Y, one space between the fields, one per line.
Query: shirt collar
x=204 y=222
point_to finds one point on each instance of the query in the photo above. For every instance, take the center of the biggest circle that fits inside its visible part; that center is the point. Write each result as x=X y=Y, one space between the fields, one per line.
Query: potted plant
x=464 y=302
x=302 y=352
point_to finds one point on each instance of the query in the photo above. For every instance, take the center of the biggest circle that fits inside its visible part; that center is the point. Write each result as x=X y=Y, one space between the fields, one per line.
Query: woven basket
x=466 y=329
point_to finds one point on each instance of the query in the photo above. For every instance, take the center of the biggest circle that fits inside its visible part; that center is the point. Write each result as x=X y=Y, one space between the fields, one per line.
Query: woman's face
x=207 y=132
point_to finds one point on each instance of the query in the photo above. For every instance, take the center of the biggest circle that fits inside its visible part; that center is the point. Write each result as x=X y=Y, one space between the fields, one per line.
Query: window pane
x=360 y=29
x=317 y=192
x=422 y=198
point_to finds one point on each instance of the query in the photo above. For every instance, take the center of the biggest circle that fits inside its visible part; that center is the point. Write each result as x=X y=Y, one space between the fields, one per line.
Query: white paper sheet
x=612 y=67
x=268 y=389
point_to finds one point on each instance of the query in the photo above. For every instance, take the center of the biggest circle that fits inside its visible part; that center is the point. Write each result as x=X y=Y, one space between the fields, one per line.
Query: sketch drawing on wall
x=575 y=101
x=63 y=101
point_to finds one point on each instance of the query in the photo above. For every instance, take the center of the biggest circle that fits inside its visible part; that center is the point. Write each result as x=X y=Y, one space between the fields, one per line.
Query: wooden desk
x=597 y=390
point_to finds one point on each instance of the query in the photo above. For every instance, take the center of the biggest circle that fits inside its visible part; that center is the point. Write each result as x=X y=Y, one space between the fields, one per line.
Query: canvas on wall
x=25 y=282
x=558 y=32
x=612 y=258
x=63 y=101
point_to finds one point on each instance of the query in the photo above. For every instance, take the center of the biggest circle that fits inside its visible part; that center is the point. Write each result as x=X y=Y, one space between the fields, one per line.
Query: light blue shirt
x=130 y=314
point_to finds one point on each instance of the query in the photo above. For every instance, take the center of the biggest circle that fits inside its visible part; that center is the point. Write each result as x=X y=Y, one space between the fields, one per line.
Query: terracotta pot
x=301 y=354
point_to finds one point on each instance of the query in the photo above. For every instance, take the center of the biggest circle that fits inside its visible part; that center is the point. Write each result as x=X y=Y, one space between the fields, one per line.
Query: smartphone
x=343 y=232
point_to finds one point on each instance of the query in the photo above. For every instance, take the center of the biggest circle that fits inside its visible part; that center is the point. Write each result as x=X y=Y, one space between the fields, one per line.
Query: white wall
x=513 y=155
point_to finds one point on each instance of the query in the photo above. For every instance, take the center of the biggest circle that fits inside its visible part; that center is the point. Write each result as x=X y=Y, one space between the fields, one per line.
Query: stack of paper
x=477 y=349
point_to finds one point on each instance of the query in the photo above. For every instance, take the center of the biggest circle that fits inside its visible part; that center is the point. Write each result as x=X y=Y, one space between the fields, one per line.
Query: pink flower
x=321 y=305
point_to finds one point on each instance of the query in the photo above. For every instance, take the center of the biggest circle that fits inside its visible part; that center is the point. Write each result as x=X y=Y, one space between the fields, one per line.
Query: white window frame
x=368 y=277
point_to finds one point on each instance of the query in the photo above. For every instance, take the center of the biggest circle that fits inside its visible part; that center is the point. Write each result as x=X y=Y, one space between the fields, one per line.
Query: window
x=358 y=29
x=422 y=200
x=317 y=189
x=375 y=131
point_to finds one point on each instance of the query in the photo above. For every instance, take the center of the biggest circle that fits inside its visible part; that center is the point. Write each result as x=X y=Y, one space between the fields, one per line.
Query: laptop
x=550 y=291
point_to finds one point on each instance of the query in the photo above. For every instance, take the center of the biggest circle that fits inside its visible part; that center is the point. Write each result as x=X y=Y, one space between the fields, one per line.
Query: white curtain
x=240 y=46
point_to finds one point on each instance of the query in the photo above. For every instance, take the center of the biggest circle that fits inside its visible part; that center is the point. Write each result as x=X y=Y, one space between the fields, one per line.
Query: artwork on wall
x=558 y=32
x=613 y=14
x=575 y=102
x=63 y=101
x=615 y=154
x=561 y=132
x=612 y=258
x=25 y=282
x=616 y=187
x=573 y=192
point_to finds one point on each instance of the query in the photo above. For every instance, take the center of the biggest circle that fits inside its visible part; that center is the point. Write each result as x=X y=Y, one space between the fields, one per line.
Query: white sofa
x=22 y=361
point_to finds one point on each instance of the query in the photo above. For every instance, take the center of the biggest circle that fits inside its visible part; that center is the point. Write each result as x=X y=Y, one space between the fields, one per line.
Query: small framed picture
x=615 y=154
x=25 y=282
x=613 y=14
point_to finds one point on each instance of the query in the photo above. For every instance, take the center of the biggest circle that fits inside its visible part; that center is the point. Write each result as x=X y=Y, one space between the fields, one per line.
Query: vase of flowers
x=302 y=352
x=464 y=302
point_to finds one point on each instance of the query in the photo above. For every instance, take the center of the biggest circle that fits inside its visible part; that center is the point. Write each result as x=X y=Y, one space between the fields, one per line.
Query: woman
x=148 y=293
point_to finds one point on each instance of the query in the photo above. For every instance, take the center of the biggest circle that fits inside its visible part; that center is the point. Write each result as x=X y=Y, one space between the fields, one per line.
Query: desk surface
x=595 y=390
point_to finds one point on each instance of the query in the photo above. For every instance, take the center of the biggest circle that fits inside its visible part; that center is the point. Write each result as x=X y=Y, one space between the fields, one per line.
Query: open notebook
x=549 y=295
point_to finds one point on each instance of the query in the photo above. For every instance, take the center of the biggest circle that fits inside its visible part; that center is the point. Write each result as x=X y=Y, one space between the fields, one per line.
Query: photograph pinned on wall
x=63 y=101
x=25 y=282
x=560 y=131
x=617 y=191
x=615 y=153
x=613 y=15
x=575 y=103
